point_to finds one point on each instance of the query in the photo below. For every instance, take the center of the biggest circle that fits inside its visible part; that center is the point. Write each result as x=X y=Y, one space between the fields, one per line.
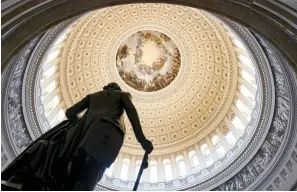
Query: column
x=132 y=168
x=160 y=169
x=213 y=151
x=187 y=162
x=223 y=140
x=118 y=166
x=174 y=167
x=200 y=156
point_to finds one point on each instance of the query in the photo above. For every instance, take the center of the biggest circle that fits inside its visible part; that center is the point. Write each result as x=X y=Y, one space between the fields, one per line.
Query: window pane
x=50 y=106
x=231 y=139
x=221 y=151
x=247 y=93
x=203 y=147
x=153 y=174
x=248 y=77
x=182 y=168
x=49 y=88
x=243 y=108
x=245 y=60
x=238 y=43
x=195 y=161
x=215 y=140
x=124 y=172
x=237 y=124
x=168 y=172
x=52 y=56
x=207 y=152
x=49 y=72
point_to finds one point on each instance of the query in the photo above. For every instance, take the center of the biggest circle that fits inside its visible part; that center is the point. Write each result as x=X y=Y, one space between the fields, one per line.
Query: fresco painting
x=148 y=61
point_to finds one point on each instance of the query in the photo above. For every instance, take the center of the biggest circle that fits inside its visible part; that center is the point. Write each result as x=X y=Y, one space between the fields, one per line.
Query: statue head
x=111 y=87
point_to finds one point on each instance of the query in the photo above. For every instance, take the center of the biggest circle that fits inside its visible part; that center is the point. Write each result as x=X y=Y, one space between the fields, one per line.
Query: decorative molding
x=15 y=136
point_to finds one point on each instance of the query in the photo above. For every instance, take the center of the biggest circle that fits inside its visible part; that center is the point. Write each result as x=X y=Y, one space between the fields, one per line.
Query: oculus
x=148 y=61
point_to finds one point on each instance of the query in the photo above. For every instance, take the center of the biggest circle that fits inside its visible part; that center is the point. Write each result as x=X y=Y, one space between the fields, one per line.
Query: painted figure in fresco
x=74 y=154
x=167 y=62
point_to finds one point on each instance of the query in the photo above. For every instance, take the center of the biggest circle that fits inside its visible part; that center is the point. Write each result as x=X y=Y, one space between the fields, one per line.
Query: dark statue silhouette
x=74 y=154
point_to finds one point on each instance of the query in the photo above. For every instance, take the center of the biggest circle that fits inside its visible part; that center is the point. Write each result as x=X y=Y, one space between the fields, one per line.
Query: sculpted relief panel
x=13 y=123
x=279 y=130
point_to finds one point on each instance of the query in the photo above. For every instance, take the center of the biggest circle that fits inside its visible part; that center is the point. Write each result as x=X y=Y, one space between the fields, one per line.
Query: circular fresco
x=148 y=61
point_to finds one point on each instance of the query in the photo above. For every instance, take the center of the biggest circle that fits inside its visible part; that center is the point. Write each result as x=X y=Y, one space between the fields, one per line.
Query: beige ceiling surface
x=183 y=112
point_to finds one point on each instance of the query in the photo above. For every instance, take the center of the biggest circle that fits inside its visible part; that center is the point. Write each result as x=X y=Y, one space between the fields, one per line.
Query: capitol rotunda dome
x=198 y=81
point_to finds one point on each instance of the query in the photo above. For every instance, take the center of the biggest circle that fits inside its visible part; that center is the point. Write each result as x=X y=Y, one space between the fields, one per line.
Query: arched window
x=205 y=150
x=53 y=55
x=181 y=166
x=195 y=161
x=48 y=72
x=51 y=87
x=58 y=118
x=245 y=111
x=206 y=154
x=245 y=92
x=193 y=157
x=230 y=138
x=246 y=61
x=138 y=163
x=215 y=140
x=51 y=105
x=125 y=169
x=218 y=145
x=238 y=43
x=249 y=78
x=238 y=124
x=167 y=170
x=153 y=172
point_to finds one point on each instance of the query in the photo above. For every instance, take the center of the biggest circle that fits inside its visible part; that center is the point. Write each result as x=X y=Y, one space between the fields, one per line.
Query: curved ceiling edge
x=272 y=165
x=283 y=168
x=256 y=18
x=31 y=98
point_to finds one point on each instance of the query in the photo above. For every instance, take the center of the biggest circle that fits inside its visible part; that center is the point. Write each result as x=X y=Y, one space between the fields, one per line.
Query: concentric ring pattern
x=183 y=112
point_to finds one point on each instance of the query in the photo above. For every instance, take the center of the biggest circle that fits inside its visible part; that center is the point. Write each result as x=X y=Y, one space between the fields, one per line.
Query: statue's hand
x=147 y=146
